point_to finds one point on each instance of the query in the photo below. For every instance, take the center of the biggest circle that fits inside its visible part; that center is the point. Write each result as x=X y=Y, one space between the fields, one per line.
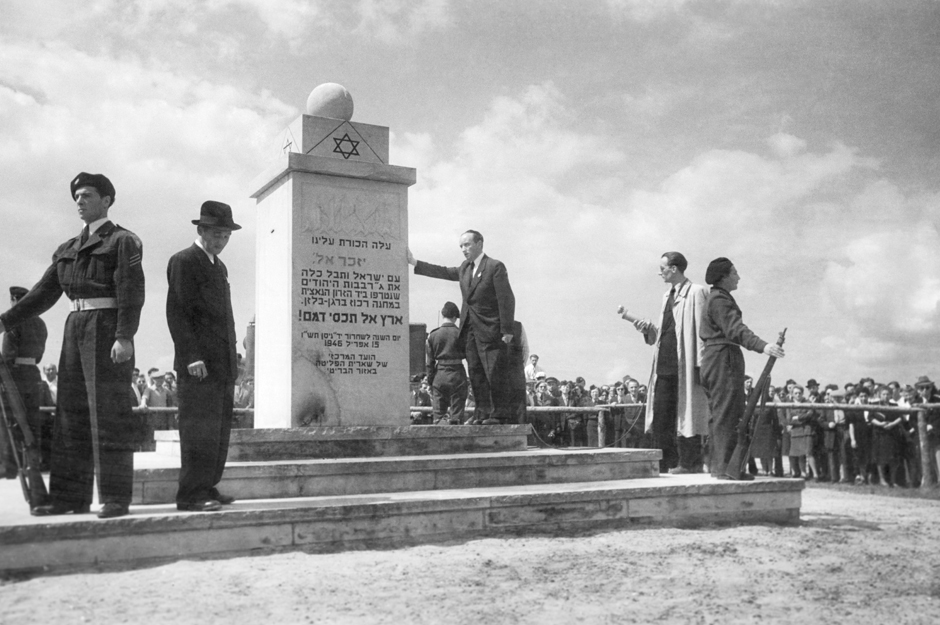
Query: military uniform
x=95 y=430
x=23 y=347
x=723 y=334
x=446 y=375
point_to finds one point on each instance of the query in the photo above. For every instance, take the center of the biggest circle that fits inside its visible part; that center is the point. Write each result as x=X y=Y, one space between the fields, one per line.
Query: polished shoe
x=57 y=508
x=209 y=505
x=491 y=422
x=225 y=500
x=113 y=510
x=680 y=471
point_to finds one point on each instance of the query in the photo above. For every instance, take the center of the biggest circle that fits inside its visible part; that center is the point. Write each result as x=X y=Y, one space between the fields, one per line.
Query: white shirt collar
x=210 y=256
x=476 y=261
x=93 y=226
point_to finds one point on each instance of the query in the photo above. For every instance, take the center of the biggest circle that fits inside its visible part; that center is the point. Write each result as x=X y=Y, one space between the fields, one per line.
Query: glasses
x=663 y=270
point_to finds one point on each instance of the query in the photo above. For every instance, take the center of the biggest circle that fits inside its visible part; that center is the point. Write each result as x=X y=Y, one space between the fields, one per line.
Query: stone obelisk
x=331 y=334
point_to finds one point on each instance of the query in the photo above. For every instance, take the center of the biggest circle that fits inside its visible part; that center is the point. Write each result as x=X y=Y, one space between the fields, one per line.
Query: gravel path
x=855 y=558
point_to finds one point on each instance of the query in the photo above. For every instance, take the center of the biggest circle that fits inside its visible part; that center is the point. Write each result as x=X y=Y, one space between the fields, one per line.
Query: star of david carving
x=351 y=151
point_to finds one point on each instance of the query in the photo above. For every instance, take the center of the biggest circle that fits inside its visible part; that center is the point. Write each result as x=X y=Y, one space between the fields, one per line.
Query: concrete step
x=366 y=441
x=152 y=534
x=156 y=475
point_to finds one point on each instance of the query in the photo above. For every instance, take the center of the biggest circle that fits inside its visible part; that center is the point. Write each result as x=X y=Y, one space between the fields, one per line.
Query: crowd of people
x=860 y=445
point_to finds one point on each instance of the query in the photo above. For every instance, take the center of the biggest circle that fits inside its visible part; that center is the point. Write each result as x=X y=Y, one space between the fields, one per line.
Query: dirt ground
x=855 y=558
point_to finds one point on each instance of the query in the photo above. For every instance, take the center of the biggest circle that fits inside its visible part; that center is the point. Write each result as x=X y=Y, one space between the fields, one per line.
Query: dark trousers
x=29 y=386
x=665 y=415
x=95 y=431
x=483 y=362
x=723 y=381
x=449 y=392
x=205 y=422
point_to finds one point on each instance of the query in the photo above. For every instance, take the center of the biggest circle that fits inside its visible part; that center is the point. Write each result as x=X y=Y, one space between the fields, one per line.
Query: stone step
x=366 y=441
x=152 y=534
x=156 y=476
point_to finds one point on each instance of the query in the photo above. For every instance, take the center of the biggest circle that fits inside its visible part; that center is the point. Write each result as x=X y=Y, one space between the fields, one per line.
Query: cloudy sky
x=583 y=138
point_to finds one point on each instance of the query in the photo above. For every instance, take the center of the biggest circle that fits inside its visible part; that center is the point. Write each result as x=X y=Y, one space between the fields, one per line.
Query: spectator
x=802 y=422
x=533 y=368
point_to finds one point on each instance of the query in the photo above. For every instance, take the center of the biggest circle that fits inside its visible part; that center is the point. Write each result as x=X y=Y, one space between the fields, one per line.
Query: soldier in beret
x=23 y=347
x=100 y=272
x=446 y=374
x=199 y=314
x=723 y=334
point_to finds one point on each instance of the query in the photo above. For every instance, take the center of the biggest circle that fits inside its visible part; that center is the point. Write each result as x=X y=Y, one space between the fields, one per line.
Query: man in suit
x=199 y=314
x=95 y=432
x=486 y=319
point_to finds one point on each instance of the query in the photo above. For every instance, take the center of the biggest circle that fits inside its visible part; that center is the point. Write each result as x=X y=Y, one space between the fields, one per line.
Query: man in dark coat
x=486 y=319
x=199 y=314
x=23 y=347
x=446 y=375
x=723 y=334
x=95 y=432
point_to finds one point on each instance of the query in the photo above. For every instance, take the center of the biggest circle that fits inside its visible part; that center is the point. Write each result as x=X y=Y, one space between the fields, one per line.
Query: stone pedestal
x=331 y=336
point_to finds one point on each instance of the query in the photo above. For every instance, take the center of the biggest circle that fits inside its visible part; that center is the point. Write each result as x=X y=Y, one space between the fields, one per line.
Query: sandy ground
x=858 y=558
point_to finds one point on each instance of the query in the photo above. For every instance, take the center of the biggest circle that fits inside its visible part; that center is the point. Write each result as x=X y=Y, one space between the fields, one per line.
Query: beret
x=717 y=269
x=450 y=310
x=98 y=181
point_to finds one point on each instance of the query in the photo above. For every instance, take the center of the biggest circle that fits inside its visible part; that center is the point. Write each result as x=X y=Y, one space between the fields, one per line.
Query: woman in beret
x=724 y=334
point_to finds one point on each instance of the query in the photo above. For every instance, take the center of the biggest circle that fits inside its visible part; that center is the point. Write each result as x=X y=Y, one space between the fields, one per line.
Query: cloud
x=167 y=140
x=399 y=21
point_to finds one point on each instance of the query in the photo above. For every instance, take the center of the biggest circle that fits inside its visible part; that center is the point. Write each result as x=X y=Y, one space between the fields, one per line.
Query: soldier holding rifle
x=723 y=333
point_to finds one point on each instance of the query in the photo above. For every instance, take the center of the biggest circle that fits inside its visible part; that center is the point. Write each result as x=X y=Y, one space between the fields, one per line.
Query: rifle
x=25 y=447
x=742 y=451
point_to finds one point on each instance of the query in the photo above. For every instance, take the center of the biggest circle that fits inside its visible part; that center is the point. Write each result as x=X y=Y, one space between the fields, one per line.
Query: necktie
x=473 y=267
x=672 y=299
x=84 y=237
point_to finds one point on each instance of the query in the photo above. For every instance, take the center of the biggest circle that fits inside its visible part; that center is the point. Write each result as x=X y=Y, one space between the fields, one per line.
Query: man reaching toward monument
x=486 y=319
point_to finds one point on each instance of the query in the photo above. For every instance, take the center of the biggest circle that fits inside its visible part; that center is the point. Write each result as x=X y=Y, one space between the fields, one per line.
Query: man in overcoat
x=199 y=314
x=677 y=408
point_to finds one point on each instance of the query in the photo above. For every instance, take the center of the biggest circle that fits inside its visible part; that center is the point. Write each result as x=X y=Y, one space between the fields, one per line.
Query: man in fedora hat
x=100 y=272
x=199 y=314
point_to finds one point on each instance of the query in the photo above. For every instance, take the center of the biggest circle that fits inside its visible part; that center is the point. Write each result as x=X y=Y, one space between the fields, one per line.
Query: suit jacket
x=489 y=305
x=199 y=313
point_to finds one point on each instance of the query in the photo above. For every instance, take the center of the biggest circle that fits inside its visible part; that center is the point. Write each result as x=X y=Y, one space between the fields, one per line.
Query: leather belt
x=718 y=341
x=24 y=361
x=451 y=361
x=93 y=303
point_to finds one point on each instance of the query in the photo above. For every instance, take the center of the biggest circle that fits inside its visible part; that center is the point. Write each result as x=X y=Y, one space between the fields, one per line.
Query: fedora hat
x=923 y=381
x=216 y=215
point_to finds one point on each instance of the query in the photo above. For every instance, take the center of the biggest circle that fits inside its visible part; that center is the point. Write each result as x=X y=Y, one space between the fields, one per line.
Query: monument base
x=367 y=441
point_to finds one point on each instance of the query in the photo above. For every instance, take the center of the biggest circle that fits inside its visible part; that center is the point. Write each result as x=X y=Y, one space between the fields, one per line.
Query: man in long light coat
x=677 y=408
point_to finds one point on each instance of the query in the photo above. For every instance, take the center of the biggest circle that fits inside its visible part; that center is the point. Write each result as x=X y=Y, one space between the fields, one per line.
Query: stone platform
x=156 y=476
x=158 y=533
x=360 y=441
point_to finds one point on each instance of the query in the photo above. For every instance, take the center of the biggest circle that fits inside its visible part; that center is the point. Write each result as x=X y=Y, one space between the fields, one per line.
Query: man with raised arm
x=486 y=319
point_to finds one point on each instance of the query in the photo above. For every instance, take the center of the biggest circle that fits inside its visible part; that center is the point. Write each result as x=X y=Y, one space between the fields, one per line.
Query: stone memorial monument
x=331 y=334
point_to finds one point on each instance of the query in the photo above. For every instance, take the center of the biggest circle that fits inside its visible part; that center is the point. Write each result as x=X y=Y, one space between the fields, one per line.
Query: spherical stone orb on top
x=330 y=100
